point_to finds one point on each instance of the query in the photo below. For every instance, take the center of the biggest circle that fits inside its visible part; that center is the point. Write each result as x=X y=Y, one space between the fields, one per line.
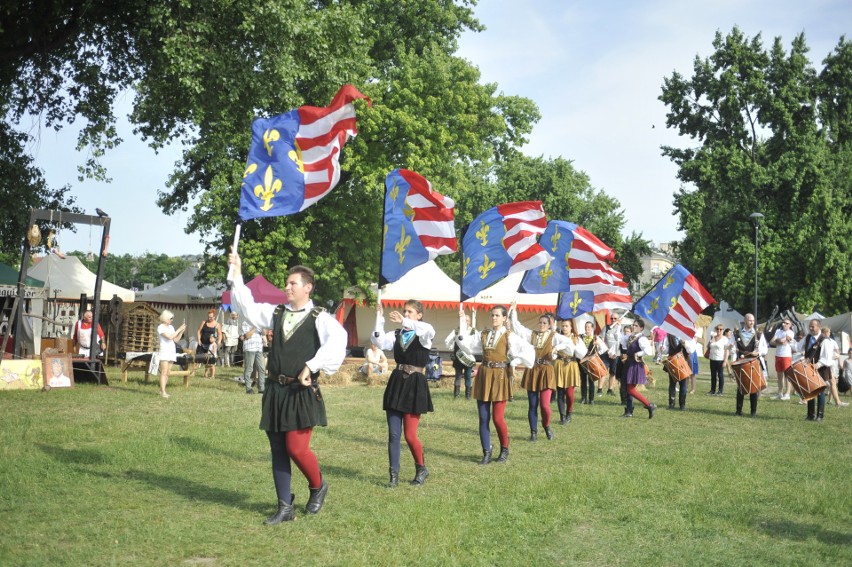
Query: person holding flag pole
x=417 y=226
x=293 y=162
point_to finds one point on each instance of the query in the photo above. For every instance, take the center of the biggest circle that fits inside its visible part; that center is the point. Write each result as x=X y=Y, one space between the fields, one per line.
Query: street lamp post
x=755 y=219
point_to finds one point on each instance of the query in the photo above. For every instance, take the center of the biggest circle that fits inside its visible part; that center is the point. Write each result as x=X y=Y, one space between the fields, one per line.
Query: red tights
x=498 y=413
x=569 y=392
x=631 y=391
x=410 y=421
x=298 y=448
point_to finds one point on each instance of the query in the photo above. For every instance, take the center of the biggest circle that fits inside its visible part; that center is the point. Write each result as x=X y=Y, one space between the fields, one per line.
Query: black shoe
x=249 y=391
x=286 y=512
x=810 y=418
x=562 y=420
x=626 y=414
x=317 y=498
x=681 y=408
x=583 y=401
x=466 y=393
x=394 y=478
x=651 y=409
x=456 y=391
x=504 y=455
x=671 y=405
x=568 y=418
x=819 y=417
x=610 y=392
x=548 y=433
x=711 y=393
x=738 y=413
x=600 y=391
x=533 y=435
x=720 y=393
x=420 y=475
x=592 y=402
x=486 y=457
x=753 y=414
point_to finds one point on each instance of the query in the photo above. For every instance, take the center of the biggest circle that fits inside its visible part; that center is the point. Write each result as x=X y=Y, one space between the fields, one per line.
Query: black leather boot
x=467 y=392
x=317 y=498
x=562 y=419
x=548 y=432
x=651 y=409
x=456 y=390
x=568 y=417
x=504 y=455
x=820 y=416
x=394 y=478
x=627 y=414
x=420 y=475
x=486 y=457
x=286 y=512
x=533 y=435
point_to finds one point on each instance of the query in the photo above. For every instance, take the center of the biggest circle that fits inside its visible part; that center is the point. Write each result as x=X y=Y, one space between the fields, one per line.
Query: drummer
x=588 y=382
x=540 y=380
x=750 y=344
x=818 y=351
x=682 y=348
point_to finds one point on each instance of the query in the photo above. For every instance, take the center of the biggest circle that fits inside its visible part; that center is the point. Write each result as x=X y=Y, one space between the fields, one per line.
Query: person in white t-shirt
x=783 y=342
x=168 y=353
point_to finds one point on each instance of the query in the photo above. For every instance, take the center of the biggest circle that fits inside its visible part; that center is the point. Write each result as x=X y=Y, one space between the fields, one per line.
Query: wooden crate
x=138 y=329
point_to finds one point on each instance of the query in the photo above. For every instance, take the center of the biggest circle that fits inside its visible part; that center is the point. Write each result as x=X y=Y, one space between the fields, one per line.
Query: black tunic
x=292 y=407
x=408 y=393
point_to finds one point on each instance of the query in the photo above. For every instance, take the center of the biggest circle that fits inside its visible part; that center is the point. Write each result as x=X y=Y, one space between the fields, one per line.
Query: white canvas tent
x=726 y=316
x=67 y=278
x=185 y=297
x=426 y=283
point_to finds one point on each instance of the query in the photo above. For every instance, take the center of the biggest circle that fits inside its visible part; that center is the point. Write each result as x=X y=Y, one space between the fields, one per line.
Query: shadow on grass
x=730 y=413
x=199 y=446
x=802 y=532
x=196 y=491
x=429 y=450
x=73 y=456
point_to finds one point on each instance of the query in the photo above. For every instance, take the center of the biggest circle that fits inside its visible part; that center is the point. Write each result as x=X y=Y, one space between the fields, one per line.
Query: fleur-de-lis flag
x=418 y=224
x=675 y=303
x=574 y=303
x=293 y=160
x=580 y=265
x=502 y=241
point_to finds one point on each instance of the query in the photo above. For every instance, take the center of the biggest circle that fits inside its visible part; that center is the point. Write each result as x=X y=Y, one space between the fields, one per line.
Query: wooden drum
x=749 y=375
x=677 y=367
x=805 y=379
x=593 y=364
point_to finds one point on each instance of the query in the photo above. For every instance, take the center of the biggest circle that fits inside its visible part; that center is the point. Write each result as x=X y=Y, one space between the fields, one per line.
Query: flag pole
x=232 y=271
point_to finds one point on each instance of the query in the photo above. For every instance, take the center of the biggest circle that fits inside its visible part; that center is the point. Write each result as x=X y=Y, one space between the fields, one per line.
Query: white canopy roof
x=70 y=278
x=506 y=290
x=426 y=282
x=183 y=290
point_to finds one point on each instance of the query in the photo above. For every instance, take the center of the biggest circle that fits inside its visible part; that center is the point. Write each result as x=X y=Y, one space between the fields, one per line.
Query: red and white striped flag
x=524 y=221
x=589 y=270
x=294 y=158
x=675 y=302
x=414 y=210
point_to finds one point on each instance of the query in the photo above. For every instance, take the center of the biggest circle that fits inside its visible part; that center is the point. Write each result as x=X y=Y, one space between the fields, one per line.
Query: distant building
x=654 y=267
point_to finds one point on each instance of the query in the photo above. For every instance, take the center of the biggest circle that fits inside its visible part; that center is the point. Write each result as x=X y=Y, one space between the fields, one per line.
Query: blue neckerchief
x=746 y=336
x=407 y=335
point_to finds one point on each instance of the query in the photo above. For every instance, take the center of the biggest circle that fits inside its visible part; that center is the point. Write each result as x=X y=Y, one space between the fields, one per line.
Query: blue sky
x=595 y=70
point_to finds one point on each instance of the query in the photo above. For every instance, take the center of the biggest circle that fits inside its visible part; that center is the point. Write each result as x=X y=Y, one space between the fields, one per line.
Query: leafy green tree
x=771 y=136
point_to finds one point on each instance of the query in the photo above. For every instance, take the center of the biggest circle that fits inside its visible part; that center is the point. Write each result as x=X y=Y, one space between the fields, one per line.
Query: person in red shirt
x=82 y=335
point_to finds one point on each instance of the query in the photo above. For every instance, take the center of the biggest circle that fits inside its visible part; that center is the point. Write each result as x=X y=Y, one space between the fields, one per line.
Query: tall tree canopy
x=202 y=70
x=771 y=135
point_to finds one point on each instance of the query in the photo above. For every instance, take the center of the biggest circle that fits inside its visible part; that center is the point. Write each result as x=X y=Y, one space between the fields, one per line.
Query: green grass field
x=118 y=476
